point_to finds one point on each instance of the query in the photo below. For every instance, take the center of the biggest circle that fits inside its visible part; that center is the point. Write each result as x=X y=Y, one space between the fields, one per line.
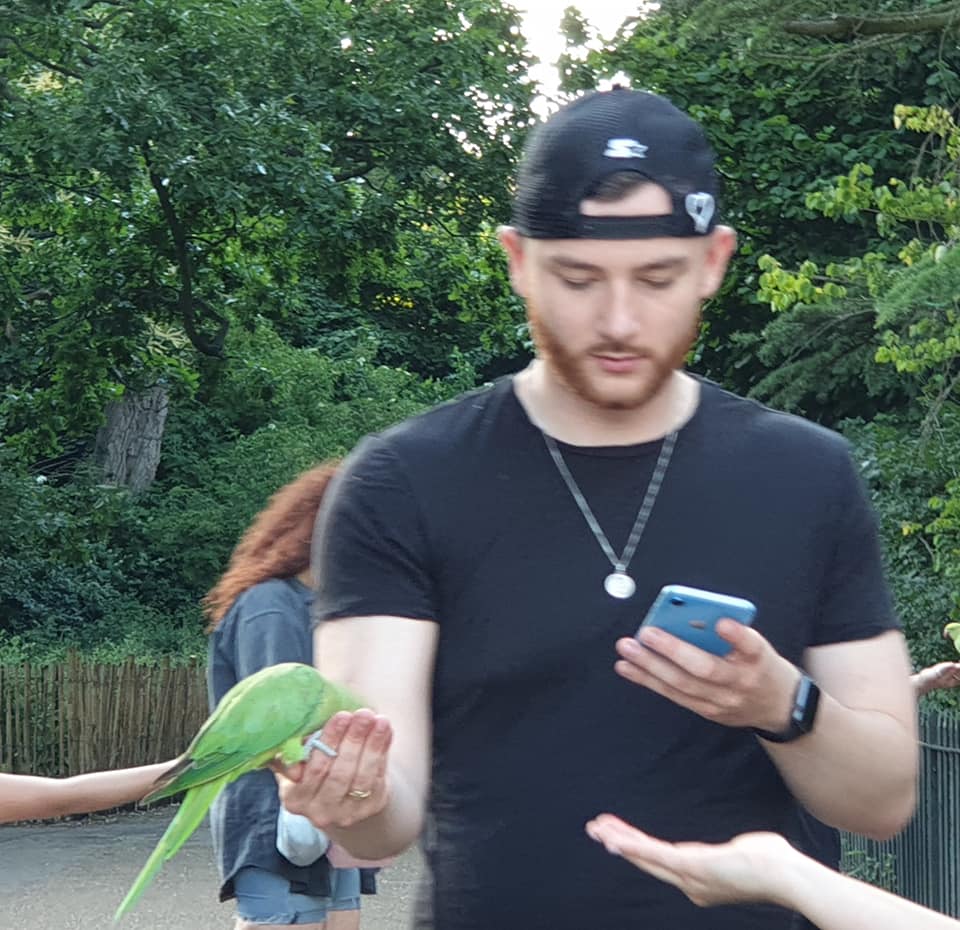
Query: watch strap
x=806 y=700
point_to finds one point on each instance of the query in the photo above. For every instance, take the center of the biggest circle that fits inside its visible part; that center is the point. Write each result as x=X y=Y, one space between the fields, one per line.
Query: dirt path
x=72 y=875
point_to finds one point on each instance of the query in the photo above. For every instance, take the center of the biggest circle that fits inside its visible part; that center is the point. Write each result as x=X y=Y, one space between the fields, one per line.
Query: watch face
x=805 y=706
x=802 y=715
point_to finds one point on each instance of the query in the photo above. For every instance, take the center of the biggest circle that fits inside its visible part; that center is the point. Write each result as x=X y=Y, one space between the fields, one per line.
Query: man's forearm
x=856 y=770
x=388 y=833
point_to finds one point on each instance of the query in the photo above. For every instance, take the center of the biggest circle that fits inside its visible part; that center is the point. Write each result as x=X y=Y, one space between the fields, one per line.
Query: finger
x=685 y=657
x=708 y=679
x=343 y=769
x=335 y=729
x=747 y=642
x=641 y=849
x=318 y=764
x=372 y=765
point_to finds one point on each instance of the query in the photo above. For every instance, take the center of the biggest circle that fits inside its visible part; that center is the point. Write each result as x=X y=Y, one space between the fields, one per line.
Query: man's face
x=612 y=319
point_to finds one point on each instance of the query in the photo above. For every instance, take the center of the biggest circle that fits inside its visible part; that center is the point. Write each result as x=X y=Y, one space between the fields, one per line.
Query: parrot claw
x=316 y=743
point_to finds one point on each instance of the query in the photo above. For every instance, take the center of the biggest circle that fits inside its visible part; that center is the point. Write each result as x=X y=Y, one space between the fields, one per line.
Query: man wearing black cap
x=487 y=564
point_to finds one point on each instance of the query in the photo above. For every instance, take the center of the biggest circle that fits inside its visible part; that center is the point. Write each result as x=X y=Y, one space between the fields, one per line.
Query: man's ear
x=720 y=248
x=513 y=245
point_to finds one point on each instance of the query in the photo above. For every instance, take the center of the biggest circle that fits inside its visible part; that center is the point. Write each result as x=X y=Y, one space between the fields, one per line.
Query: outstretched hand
x=342 y=790
x=934 y=677
x=745 y=869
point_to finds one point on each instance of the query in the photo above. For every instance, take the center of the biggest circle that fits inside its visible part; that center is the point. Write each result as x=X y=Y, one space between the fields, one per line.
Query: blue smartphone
x=691 y=615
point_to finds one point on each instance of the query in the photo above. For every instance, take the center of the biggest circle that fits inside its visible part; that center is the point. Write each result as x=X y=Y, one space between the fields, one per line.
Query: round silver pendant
x=619 y=585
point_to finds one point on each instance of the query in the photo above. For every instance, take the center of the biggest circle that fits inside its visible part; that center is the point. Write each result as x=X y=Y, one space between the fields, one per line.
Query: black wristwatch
x=802 y=716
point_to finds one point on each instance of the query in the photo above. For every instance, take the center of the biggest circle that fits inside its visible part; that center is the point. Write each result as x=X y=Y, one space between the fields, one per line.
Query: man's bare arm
x=388 y=663
x=857 y=770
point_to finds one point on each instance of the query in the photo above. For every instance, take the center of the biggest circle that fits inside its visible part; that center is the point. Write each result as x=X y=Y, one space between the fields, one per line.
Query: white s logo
x=625 y=148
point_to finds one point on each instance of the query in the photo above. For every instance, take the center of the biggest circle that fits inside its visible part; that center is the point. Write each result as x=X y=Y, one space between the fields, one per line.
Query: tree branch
x=842 y=26
x=187 y=302
x=52 y=182
x=66 y=72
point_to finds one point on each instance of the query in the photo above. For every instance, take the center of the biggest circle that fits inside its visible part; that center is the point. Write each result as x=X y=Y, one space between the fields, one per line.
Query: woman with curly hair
x=259 y=613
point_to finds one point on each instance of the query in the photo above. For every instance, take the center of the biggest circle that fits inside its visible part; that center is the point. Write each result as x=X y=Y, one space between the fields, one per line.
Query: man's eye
x=577 y=284
x=658 y=284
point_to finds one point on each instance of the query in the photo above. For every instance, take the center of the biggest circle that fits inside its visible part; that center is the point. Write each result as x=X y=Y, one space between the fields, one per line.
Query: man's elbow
x=888 y=819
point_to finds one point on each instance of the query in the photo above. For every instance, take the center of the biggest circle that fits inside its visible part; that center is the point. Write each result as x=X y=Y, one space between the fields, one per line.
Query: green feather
x=188 y=818
x=952 y=632
x=263 y=716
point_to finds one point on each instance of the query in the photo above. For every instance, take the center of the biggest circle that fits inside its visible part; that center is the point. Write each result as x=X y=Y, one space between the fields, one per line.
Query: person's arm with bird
x=263 y=717
x=377 y=635
x=371 y=798
x=34 y=797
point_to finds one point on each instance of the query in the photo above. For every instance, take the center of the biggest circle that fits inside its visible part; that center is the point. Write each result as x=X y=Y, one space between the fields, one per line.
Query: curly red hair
x=275 y=545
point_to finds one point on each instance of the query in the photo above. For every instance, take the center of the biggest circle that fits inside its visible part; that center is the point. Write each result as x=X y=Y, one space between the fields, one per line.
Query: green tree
x=784 y=112
x=906 y=297
x=172 y=169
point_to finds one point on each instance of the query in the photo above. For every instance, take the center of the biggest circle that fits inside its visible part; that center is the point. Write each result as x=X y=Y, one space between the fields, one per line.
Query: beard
x=577 y=371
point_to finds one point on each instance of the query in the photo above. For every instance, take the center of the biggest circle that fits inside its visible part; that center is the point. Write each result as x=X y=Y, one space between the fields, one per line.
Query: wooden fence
x=80 y=717
x=923 y=862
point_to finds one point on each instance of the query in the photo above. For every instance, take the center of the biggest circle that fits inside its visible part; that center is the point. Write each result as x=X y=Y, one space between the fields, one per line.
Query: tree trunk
x=127 y=447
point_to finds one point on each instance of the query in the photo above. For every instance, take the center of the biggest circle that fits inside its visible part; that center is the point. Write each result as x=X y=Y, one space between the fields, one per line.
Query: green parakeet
x=260 y=718
x=952 y=631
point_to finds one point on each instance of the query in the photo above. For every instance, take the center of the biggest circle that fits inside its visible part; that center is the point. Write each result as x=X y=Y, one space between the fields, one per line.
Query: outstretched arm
x=31 y=797
x=765 y=867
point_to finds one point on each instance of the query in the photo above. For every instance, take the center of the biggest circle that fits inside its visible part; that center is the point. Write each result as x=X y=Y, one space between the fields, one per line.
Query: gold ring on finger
x=358 y=794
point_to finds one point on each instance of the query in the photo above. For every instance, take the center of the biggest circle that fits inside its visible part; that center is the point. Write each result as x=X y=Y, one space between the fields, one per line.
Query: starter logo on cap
x=625 y=148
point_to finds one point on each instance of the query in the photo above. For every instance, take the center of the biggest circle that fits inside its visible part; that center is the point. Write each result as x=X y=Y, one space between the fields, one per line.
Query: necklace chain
x=643 y=514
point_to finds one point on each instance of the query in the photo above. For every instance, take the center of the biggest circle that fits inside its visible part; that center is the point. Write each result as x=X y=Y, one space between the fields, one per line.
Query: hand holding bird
x=261 y=718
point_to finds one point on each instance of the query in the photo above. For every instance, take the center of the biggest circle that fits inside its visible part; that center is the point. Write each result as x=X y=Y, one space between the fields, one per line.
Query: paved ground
x=72 y=875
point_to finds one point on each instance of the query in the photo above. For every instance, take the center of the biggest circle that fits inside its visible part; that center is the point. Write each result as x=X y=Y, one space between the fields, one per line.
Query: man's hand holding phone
x=750 y=686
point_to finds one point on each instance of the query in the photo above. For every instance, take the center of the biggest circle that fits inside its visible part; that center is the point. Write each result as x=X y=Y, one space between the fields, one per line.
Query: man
x=480 y=563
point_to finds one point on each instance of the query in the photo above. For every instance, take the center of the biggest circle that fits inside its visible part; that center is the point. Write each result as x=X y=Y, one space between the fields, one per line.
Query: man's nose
x=620 y=318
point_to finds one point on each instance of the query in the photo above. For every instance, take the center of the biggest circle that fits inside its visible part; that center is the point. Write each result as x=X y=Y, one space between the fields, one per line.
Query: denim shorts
x=265 y=898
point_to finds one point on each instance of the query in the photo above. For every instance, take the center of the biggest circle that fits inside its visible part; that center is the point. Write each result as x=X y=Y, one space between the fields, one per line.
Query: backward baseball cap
x=603 y=133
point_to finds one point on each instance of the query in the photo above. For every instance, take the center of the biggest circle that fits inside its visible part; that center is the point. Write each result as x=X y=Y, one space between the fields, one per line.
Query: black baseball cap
x=602 y=133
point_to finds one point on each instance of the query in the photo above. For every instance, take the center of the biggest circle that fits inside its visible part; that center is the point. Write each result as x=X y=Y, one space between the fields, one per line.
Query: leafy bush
x=89 y=567
x=906 y=468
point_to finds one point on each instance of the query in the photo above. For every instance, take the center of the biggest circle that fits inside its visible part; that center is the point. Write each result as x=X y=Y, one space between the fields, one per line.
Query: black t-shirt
x=460 y=517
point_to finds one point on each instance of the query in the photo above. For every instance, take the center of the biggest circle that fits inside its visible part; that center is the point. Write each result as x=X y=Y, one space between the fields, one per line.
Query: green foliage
x=438 y=296
x=783 y=114
x=90 y=567
x=879 y=871
x=171 y=170
x=899 y=306
x=896 y=304
x=908 y=470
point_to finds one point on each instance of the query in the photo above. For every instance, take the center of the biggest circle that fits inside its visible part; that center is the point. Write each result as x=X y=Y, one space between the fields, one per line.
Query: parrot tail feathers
x=192 y=811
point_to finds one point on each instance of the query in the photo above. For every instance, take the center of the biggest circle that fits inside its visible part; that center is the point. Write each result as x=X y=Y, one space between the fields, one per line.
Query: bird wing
x=249 y=725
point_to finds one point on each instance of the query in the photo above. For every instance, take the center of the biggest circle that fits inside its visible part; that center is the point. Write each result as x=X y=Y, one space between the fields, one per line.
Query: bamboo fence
x=79 y=716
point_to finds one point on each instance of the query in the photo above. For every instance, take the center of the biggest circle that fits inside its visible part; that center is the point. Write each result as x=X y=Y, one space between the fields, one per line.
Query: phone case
x=691 y=615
